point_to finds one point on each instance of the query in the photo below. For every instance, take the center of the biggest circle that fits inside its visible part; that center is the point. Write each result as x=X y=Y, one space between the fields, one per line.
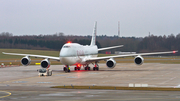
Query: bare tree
x=6 y=34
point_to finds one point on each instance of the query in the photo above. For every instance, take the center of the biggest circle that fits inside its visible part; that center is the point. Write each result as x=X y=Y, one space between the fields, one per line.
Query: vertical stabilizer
x=93 y=40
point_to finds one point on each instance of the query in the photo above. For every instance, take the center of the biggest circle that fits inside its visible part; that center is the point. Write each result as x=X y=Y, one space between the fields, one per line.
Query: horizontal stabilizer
x=100 y=49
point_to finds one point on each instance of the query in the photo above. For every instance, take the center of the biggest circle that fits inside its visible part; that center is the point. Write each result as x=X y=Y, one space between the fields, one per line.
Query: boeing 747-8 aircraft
x=79 y=55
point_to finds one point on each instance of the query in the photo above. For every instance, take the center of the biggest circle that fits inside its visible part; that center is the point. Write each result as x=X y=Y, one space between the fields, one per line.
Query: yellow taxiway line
x=5 y=95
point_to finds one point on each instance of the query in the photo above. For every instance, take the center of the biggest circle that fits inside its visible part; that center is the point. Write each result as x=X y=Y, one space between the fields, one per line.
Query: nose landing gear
x=66 y=69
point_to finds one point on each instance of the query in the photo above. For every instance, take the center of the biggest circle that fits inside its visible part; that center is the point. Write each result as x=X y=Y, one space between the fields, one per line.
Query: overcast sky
x=77 y=17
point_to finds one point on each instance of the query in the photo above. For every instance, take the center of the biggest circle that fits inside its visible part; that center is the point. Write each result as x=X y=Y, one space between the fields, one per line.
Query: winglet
x=93 y=40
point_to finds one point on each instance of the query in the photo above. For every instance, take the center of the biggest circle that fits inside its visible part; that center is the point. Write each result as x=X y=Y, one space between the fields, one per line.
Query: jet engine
x=111 y=63
x=45 y=63
x=139 y=60
x=25 y=61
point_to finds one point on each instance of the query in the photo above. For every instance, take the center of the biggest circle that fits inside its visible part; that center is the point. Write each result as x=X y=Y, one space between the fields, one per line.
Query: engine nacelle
x=139 y=60
x=45 y=63
x=111 y=63
x=25 y=61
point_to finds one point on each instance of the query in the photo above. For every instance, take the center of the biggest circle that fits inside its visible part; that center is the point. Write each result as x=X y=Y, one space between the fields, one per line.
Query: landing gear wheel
x=88 y=68
x=66 y=69
x=75 y=68
x=95 y=68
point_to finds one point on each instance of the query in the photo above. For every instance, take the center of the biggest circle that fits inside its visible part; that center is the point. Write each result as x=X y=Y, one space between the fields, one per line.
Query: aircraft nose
x=63 y=52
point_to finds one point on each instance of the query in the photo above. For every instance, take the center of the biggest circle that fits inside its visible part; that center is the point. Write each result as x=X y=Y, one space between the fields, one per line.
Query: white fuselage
x=73 y=53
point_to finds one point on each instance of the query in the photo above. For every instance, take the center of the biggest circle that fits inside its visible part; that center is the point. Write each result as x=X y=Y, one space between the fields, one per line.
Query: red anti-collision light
x=69 y=42
x=79 y=65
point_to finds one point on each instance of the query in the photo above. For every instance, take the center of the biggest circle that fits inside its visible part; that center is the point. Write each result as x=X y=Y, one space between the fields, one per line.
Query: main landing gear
x=87 y=68
x=96 y=67
x=78 y=67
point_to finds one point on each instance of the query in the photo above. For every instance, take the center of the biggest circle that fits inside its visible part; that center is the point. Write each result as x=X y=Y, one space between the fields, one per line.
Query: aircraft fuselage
x=74 y=53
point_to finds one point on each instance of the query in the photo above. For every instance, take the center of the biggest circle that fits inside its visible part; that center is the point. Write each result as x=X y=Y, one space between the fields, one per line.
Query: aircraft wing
x=36 y=56
x=127 y=55
x=100 y=49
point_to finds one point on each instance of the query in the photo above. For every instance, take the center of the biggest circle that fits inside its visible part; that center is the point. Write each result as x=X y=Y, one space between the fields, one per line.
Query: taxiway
x=24 y=83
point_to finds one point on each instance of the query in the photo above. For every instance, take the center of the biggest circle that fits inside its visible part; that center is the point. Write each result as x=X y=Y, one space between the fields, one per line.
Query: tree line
x=149 y=43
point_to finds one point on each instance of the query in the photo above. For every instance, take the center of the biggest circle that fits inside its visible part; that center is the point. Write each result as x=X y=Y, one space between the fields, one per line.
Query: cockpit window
x=66 y=46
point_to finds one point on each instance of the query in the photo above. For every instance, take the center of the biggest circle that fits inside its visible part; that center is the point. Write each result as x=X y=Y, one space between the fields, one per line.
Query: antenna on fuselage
x=93 y=40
